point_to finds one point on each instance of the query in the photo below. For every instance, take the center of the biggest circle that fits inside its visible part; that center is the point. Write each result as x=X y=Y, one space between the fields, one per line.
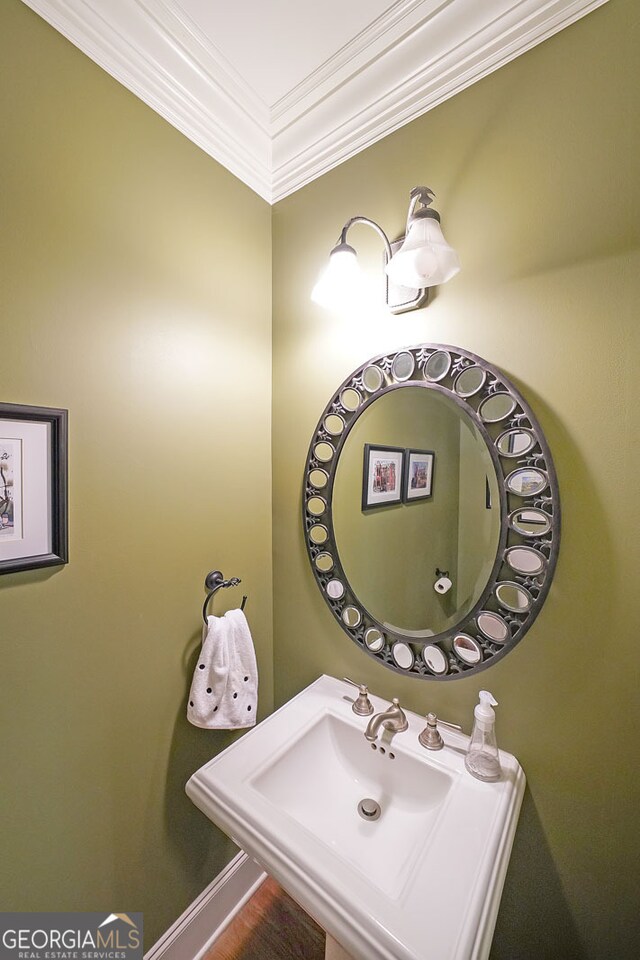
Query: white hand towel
x=224 y=689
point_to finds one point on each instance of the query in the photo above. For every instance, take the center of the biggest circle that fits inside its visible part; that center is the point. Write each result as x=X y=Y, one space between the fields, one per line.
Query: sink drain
x=369 y=809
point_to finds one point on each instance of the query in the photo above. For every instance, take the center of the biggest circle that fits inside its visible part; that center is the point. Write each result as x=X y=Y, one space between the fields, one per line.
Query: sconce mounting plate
x=402 y=299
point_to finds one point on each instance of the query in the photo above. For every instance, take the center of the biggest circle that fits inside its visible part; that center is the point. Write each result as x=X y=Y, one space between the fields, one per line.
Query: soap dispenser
x=482 y=759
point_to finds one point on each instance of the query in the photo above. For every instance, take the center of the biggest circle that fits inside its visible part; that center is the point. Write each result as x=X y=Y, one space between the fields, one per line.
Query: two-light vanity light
x=419 y=260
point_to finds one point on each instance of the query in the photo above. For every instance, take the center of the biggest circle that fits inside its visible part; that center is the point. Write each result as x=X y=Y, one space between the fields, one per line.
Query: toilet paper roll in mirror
x=442 y=585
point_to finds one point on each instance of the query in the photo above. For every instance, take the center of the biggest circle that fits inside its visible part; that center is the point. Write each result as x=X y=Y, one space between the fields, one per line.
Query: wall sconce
x=413 y=263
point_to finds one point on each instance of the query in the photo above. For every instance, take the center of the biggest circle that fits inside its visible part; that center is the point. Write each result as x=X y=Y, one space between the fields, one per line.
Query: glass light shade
x=425 y=259
x=341 y=283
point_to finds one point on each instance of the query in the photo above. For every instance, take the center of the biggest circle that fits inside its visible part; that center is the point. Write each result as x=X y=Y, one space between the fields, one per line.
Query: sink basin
x=324 y=797
x=422 y=880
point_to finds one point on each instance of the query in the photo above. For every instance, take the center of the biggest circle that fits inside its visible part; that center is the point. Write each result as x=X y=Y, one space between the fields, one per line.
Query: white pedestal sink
x=421 y=882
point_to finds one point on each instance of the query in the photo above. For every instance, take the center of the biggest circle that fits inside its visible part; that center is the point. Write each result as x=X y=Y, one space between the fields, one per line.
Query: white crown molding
x=393 y=80
x=416 y=55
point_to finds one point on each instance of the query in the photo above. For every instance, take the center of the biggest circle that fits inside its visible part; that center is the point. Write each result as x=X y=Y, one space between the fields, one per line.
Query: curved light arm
x=370 y=223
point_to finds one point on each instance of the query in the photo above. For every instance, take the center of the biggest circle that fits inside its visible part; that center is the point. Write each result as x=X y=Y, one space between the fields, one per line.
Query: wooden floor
x=271 y=926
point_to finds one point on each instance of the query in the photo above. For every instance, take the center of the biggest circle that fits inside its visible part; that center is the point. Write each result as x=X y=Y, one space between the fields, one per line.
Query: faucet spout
x=393 y=718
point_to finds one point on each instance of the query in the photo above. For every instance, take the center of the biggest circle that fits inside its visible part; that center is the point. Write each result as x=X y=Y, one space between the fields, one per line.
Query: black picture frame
x=33 y=487
x=372 y=494
x=424 y=462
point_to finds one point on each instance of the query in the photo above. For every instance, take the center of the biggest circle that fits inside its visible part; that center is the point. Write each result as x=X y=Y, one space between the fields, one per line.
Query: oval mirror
x=526 y=560
x=437 y=366
x=402 y=655
x=318 y=478
x=334 y=424
x=514 y=443
x=530 y=522
x=372 y=378
x=374 y=639
x=323 y=451
x=316 y=506
x=526 y=482
x=497 y=407
x=513 y=597
x=324 y=562
x=469 y=381
x=350 y=399
x=467 y=648
x=493 y=627
x=422 y=483
x=402 y=366
x=335 y=589
x=434 y=659
x=351 y=616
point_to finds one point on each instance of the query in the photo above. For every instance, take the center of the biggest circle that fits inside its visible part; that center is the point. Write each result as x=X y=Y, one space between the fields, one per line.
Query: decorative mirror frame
x=390 y=373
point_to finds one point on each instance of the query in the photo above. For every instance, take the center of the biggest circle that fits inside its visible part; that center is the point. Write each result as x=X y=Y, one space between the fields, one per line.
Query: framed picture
x=418 y=475
x=381 y=476
x=33 y=487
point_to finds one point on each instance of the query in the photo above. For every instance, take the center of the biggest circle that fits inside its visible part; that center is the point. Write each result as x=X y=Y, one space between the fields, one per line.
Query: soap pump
x=482 y=759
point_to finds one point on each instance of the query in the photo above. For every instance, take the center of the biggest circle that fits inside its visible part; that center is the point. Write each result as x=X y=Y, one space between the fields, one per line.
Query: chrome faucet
x=393 y=719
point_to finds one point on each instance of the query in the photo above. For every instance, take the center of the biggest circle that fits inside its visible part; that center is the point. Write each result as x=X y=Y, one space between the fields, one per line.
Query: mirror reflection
x=493 y=627
x=434 y=659
x=334 y=424
x=374 y=639
x=469 y=381
x=513 y=597
x=402 y=655
x=324 y=562
x=318 y=534
x=351 y=616
x=467 y=648
x=350 y=399
x=525 y=560
x=526 y=482
x=324 y=451
x=437 y=366
x=497 y=407
x=513 y=443
x=390 y=553
x=530 y=522
x=318 y=479
x=335 y=589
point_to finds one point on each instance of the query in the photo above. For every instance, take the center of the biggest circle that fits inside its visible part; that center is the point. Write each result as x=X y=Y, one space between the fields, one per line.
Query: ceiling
x=281 y=91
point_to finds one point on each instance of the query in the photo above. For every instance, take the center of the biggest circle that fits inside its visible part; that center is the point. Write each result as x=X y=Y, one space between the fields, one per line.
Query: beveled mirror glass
x=473 y=504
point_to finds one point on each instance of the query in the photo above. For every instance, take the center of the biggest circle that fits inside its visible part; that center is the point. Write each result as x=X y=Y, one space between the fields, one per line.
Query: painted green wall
x=535 y=170
x=123 y=298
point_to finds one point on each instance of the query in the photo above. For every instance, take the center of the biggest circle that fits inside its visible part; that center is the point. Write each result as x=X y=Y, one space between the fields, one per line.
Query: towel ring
x=213 y=582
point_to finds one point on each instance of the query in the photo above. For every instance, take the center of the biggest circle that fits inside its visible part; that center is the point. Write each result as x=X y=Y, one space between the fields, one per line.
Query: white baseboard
x=204 y=920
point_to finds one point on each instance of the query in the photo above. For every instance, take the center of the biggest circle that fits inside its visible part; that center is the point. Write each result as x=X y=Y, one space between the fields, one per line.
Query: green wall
x=535 y=171
x=123 y=298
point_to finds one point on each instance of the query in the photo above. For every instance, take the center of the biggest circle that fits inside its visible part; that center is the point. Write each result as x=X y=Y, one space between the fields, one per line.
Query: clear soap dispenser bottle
x=482 y=760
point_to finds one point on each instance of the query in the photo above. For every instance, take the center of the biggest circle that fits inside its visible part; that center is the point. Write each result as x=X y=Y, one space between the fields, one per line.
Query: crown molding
x=384 y=84
x=407 y=61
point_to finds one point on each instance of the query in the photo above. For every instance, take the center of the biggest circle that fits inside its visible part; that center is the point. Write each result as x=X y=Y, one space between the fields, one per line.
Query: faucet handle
x=430 y=736
x=361 y=706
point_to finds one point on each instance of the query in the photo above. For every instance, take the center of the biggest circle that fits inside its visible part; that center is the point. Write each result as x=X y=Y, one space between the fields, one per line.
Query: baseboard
x=204 y=920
